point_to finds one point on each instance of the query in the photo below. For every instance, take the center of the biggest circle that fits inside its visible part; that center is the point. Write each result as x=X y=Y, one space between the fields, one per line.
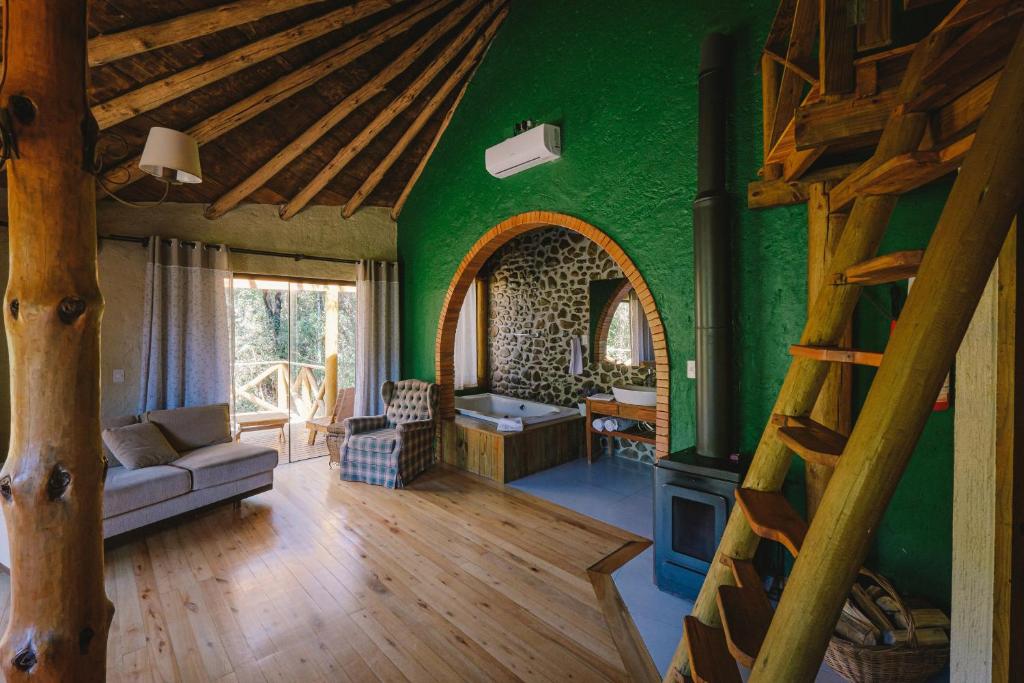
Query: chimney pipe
x=711 y=219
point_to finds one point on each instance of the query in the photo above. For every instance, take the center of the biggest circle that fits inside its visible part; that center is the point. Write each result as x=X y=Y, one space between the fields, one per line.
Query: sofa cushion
x=116 y=423
x=221 y=463
x=126 y=490
x=139 y=445
x=190 y=428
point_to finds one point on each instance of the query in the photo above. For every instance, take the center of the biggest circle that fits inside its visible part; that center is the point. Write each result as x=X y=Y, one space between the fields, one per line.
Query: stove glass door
x=694 y=521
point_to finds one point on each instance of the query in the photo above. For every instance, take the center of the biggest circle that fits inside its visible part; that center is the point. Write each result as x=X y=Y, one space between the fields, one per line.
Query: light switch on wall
x=691 y=369
x=118 y=376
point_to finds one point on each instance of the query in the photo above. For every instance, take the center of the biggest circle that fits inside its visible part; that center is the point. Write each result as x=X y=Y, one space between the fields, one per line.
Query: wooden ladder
x=732 y=620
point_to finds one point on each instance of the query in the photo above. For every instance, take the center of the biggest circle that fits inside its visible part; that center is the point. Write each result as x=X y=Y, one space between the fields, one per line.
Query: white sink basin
x=635 y=395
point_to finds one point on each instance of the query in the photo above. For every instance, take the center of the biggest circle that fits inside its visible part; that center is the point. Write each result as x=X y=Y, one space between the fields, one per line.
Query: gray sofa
x=211 y=468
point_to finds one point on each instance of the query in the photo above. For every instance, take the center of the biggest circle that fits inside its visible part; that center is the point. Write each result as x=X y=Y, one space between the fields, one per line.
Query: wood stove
x=693 y=496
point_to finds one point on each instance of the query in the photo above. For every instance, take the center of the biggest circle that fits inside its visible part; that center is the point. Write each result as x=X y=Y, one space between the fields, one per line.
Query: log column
x=51 y=486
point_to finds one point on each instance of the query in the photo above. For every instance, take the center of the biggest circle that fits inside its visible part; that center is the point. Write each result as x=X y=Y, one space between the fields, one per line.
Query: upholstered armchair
x=390 y=449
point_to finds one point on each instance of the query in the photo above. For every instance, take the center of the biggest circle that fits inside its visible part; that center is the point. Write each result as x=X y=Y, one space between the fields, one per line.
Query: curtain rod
x=253 y=252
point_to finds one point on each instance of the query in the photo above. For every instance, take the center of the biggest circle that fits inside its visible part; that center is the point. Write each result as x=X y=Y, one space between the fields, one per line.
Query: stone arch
x=494 y=239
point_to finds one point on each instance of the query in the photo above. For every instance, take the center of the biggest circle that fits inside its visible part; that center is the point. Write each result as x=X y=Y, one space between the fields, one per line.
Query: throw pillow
x=139 y=445
x=190 y=428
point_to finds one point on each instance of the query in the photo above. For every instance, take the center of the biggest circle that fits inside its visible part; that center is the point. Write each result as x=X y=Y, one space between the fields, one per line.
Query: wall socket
x=118 y=376
x=691 y=369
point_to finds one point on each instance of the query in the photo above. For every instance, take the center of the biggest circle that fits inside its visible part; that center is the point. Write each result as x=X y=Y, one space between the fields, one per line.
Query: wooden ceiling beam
x=152 y=95
x=337 y=113
x=403 y=197
x=471 y=58
x=396 y=107
x=229 y=118
x=400 y=202
x=104 y=49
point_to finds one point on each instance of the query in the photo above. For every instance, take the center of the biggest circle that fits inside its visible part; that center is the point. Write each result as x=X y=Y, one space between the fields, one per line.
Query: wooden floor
x=322 y=580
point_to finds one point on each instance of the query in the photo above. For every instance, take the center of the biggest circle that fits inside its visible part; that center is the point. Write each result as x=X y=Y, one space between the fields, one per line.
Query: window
x=618 y=348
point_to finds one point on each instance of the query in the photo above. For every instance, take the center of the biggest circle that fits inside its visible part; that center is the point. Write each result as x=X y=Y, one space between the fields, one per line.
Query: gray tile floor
x=620 y=492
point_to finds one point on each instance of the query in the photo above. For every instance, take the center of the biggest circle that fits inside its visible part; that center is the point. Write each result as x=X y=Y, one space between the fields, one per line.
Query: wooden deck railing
x=303 y=396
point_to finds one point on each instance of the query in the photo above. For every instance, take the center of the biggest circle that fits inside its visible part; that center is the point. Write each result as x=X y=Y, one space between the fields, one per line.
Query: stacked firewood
x=871 y=616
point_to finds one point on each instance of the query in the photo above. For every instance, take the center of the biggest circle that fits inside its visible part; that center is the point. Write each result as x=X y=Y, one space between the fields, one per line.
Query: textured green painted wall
x=620 y=78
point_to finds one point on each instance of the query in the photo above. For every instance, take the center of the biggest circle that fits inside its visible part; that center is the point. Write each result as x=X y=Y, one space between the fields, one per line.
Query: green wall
x=620 y=79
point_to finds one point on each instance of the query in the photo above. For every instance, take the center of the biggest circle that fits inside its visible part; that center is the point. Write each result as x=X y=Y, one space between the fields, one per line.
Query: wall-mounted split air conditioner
x=536 y=146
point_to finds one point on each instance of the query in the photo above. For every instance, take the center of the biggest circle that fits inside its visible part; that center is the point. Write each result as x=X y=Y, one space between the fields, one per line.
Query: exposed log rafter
x=396 y=107
x=233 y=116
x=152 y=95
x=372 y=180
x=337 y=113
x=113 y=46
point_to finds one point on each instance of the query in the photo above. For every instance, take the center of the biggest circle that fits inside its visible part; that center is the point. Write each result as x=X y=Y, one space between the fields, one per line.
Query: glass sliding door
x=294 y=350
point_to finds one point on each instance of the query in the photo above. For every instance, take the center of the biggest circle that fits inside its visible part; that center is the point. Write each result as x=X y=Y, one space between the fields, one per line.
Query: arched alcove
x=494 y=239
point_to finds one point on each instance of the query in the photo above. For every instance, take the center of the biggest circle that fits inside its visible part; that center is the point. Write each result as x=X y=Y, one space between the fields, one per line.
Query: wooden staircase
x=733 y=621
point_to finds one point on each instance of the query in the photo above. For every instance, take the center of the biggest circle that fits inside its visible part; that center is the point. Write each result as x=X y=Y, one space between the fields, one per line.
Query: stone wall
x=539 y=298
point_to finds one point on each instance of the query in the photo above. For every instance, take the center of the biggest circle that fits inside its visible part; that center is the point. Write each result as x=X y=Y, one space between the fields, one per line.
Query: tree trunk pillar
x=51 y=486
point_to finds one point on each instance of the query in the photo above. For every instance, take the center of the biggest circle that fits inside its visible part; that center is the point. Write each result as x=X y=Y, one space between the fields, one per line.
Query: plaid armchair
x=390 y=449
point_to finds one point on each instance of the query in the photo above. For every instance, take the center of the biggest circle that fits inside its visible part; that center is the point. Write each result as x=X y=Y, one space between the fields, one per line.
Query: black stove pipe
x=711 y=219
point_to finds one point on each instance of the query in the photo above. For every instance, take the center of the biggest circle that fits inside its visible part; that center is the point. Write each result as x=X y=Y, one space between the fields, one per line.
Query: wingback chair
x=390 y=449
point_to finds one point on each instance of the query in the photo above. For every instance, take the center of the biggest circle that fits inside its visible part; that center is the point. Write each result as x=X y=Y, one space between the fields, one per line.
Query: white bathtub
x=494 y=407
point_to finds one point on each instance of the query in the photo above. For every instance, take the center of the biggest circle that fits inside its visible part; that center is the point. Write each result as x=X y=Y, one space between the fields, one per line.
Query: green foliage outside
x=277 y=326
x=618 y=348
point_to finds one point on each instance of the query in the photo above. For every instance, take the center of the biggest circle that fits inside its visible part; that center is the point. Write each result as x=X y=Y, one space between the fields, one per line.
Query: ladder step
x=881 y=270
x=812 y=441
x=710 y=661
x=832 y=354
x=745 y=611
x=771 y=516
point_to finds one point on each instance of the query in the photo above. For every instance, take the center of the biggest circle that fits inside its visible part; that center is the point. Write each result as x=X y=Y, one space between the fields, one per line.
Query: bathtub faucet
x=651 y=378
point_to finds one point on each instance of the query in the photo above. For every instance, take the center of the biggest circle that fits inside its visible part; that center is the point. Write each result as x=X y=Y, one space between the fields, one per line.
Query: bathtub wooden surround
x=478 y=447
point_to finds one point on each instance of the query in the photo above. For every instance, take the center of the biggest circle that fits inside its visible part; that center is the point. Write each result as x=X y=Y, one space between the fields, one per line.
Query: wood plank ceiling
x=294 y=102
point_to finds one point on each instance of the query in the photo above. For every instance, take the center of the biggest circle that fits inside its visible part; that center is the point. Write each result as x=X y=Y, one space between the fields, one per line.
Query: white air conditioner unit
x=538 y=145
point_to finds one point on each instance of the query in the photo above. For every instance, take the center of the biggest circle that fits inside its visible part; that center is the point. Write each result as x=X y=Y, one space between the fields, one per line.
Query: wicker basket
x=886 y=663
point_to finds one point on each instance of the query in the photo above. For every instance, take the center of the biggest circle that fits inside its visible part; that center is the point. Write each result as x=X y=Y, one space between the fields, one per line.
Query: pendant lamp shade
x=172 y=156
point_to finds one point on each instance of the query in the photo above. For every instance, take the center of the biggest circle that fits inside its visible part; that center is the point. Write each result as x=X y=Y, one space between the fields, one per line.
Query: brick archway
x=494 y=239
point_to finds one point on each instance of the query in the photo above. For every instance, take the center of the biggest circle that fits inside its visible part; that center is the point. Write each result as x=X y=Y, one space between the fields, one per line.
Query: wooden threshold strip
x=635 y=657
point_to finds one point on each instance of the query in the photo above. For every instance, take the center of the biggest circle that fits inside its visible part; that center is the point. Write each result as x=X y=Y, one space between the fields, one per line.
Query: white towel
x=575 y=355
x=510 y=424
x=618 y=424
x=603 y=397
x=598 y=424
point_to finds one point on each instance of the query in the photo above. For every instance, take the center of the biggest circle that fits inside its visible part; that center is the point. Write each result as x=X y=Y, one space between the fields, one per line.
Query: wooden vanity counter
x=615 y=409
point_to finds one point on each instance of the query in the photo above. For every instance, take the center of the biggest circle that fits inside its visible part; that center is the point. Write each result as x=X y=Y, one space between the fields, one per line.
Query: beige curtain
x=465 y=342
x=641 y=345
x=377 y=341
x=186 y=325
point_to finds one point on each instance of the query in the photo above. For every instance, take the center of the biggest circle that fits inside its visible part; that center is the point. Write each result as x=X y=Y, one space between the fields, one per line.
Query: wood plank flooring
x=321 y=580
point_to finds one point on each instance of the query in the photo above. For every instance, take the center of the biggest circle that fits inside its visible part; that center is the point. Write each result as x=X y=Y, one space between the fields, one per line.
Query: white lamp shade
x=172 y=156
